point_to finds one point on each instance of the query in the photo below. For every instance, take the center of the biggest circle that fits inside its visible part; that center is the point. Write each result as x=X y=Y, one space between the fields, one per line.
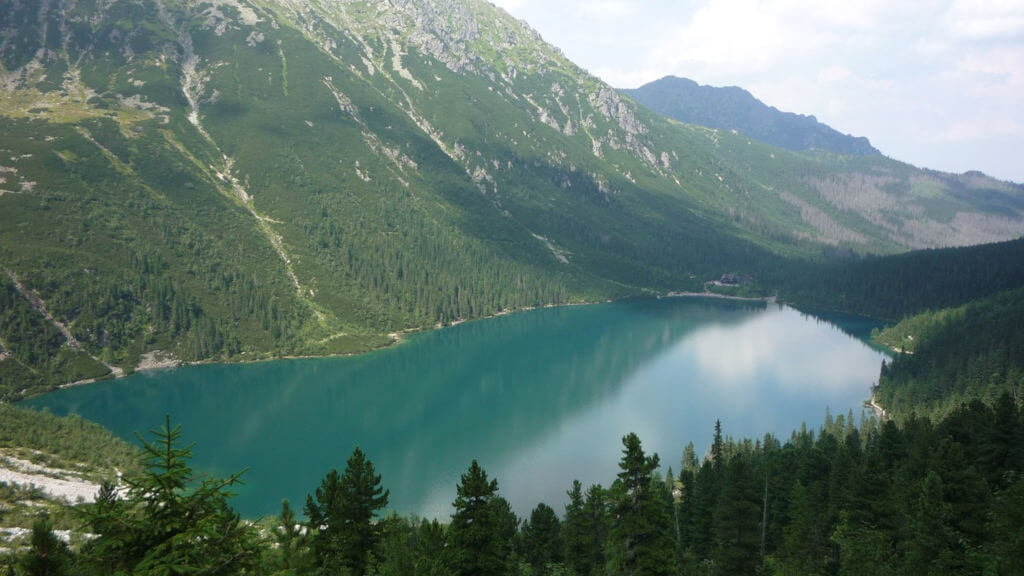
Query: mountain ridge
x=237 y=179
x=734 y=108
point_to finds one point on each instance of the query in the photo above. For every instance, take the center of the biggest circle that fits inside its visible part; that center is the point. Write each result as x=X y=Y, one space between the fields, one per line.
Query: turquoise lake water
x=539 y=398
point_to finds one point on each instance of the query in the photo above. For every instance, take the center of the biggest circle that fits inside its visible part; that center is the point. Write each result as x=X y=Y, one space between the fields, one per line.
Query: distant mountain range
x=733 y=108
x=186 y=180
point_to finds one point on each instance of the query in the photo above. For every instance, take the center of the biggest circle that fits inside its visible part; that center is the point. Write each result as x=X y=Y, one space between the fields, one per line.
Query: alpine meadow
x=225 y=181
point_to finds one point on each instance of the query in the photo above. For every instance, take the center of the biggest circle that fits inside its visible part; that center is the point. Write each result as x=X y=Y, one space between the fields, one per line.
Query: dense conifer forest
x=934 y=487
x=915 y=497
x=953 y=355
x=893 y=287
x=262 y=179
x=219 y=182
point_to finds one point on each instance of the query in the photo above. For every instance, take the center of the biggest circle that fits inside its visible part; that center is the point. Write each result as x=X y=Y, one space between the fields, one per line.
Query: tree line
x=893 y=287
x=877 y=498
x=954 y=355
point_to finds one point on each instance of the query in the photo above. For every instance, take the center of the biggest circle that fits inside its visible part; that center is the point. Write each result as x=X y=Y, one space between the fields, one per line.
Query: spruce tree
x=47 y=555
x=596 y=529
x=642 y=527
x=933 y=544
x=292 y=554
x=478 y=533
x=1006 y=547
x=168 y=522
x=736 y=520
x=542 y=539
x=431 y=552
x=343 y=515
x=574 y=531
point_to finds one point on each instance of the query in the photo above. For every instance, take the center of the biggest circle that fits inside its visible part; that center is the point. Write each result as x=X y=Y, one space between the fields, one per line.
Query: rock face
x=243 y=178
x=734 y=108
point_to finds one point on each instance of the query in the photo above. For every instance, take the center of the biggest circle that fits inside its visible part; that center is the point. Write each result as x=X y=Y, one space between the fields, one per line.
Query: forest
x=913 y=497
x=934 y=487
x=896 y=286
x=953 y=355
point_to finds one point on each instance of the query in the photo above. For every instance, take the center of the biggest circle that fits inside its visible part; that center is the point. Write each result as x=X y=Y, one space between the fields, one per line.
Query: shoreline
x=715 y=295
x=156 y=360
x=880 y=412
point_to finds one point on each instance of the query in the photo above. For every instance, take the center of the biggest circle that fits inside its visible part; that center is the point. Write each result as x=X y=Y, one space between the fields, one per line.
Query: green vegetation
x=68 y=448
x=344 y=510
x=263 y=180
x=167 y=521
x=47 y=554
x=63 y=442
x=482 y=527
x=33 y=351
x=893 y=287
x=955 y=355
x=910 y=498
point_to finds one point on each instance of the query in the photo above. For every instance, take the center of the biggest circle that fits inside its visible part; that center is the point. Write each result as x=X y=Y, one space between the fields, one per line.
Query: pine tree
x=1006 y=548
x=542 y=539
x=805 y=543
x=431 y=553
x=596 y=529
x=47 y=555
x=397 y=555
x=685 y=511
x=478 y=532
x=574 y=531
x=718 y=450
x=736 y=520
x=966 y=494
x=167 y=522
x=343 y=516
x=642 y=527
x=292 y=555
x=863 y=550
x=933 y=544
x=1001 y=450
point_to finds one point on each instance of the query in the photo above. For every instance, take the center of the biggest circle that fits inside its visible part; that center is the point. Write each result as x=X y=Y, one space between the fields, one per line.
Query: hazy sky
x=938 y=84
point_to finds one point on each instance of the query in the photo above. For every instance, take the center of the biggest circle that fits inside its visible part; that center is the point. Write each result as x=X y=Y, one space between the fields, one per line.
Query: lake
x=539 y=398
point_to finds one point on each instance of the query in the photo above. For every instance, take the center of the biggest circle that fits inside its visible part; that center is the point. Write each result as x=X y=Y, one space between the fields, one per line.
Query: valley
x=302 y=228
x=244 y=180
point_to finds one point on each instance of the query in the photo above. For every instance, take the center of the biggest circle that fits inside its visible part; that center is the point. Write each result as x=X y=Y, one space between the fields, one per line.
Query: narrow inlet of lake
x=539 y=398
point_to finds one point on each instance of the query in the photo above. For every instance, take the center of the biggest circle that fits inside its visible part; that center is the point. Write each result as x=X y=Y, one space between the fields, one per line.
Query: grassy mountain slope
x=247 y=178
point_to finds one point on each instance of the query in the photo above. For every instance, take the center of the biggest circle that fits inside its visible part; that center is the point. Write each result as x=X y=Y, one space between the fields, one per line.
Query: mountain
x=733 y=108
x=187 y=180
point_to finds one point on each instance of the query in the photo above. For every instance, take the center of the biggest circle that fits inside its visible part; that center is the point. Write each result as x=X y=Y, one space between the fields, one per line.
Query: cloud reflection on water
x=768 y=373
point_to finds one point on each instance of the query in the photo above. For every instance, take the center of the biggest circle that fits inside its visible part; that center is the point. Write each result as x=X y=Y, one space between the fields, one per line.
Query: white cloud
x=734 y=356
x=936 y=83
x=986 y=19
x=605 y=8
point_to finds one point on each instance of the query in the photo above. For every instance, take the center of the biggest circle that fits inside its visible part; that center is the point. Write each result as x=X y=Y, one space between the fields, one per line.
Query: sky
x=938 y=84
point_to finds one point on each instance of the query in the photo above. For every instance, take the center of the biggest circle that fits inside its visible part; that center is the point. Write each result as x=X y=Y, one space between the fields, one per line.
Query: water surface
x=539 y=398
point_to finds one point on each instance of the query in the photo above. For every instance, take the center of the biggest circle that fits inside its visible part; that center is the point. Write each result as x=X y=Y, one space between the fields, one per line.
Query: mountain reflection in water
x=539 y=398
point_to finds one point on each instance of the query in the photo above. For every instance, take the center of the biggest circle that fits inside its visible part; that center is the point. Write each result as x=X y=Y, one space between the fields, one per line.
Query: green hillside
x=899 y=285
x=951 y=356
x=237 y=179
